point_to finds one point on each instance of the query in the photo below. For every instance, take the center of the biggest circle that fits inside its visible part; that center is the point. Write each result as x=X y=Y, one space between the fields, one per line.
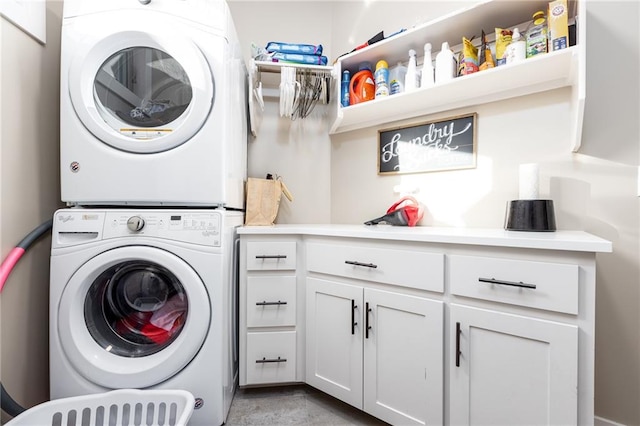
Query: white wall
x=29 y=194
x=594 y=190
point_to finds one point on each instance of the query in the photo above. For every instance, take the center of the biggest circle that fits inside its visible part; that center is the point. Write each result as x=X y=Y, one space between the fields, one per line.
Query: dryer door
x=132 y=317
x=141 y=91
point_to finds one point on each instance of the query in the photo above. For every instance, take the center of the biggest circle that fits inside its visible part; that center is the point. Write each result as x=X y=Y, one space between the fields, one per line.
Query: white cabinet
x=511 y=369
x=563 y=68
x=375 y=346
x=425 y=325
x=268 y=320
x=379 y=351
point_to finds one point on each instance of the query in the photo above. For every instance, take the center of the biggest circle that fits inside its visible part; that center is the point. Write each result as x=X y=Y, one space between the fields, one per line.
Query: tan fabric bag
x=263 y=200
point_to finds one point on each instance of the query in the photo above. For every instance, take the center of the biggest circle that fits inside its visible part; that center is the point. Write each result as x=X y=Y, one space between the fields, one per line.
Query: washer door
x=142 y=91
x=133 y=317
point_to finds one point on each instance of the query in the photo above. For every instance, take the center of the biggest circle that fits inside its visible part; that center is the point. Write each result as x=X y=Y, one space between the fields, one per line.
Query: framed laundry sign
x=447 y=144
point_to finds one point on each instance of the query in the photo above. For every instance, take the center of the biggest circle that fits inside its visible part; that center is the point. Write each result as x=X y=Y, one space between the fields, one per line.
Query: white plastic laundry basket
x=123 y=407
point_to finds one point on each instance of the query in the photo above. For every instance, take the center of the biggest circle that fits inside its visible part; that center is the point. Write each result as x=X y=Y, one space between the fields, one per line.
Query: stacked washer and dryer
x=153 y=164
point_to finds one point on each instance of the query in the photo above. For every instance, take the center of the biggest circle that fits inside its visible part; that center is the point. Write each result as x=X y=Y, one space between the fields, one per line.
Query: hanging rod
x=274 y=67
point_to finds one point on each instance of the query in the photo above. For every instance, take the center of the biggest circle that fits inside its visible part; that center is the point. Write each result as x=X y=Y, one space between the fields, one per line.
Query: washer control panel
x=199 y=227
x=203 y=227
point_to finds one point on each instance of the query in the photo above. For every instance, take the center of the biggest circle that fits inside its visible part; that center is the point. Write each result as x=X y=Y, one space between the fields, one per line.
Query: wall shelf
x=564 y=68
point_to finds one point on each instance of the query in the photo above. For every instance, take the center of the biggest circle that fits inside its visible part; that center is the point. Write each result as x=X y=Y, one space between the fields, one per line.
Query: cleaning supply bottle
x=427 y=68
x=362 y=87
x=445 y=64
x=516 y=50
x=381 y=77
x=396 y=78
x=537 y=35
x=411 y=79
x=344 y=90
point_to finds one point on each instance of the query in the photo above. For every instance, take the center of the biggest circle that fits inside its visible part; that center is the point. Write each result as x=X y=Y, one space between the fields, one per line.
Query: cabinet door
x=511 y=370
x=334 y=339
x=403 y=365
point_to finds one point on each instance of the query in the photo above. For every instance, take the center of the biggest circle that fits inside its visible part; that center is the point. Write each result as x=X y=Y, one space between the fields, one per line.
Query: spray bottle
x=411 y=79
x=517 y=49
x=427 y=68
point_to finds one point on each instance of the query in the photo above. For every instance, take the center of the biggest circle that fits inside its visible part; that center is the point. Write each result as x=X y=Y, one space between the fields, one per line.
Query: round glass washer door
x=142 y=92
x=133 y=317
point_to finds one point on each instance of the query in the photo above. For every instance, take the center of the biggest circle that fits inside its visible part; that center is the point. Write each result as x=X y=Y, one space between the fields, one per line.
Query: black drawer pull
x=265 y=361
x=264 y=303
x=353 y=316
x=271 y=256
x=458 y=352
x=366 y=265
x=367 y=327
x=509 y=283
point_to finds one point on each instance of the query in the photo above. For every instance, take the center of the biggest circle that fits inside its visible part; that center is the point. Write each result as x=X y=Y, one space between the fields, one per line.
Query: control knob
x=135 y=223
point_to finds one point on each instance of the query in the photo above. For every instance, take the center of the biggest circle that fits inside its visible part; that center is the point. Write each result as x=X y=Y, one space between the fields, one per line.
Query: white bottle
x=517 y=49
x=427 y=68
x=445 y=64
x=396 y=78
x=411 y=79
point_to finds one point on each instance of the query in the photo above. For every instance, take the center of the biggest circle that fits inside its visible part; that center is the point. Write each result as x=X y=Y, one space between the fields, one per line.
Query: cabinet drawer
x=271 y=357
x=271 y=255
x=271 y=301
x=406 y=268
x=541 y=285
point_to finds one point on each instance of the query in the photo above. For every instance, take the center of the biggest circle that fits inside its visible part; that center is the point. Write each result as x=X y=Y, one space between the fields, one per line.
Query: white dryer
x=145 y=299
x=153 y=104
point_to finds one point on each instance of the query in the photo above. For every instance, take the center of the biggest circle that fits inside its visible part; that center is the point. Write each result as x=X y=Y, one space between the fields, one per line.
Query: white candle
x=528 y=181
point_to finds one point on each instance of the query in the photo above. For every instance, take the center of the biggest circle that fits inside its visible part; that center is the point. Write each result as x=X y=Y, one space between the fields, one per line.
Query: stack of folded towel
x=307 y=54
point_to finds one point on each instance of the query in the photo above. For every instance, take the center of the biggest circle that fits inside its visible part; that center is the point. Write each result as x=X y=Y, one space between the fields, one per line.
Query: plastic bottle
x=427 y=68
x=445 y=64
x=516 y=50
x=381 y=77
x=344 y=93
x=537 y=35
x=396 y=78
x=411 y=79
x=362 y=86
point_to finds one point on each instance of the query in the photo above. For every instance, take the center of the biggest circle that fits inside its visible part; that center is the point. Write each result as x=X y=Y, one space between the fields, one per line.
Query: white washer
x=153 y=104
x=145 y=299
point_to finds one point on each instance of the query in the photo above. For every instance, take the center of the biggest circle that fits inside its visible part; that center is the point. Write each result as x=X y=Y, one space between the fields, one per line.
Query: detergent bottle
x=362 y=87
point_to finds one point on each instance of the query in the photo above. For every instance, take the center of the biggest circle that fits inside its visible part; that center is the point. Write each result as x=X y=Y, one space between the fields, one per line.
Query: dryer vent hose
x=16 y=253
x=8 y=404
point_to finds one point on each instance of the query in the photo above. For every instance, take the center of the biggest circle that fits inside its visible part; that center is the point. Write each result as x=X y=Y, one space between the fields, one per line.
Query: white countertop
x=557 y=240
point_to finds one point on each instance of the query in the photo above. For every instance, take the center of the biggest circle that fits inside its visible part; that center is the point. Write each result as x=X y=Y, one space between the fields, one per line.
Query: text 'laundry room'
x=371 y=212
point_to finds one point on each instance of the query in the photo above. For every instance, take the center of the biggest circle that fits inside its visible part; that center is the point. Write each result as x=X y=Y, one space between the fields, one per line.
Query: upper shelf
x=537 y=74
x=563 y=68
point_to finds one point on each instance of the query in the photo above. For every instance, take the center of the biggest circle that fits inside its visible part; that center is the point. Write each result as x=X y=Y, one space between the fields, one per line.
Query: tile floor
x=298 y=405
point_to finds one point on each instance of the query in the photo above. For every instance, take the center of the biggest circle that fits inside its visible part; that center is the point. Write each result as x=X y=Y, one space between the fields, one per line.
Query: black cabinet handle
x=509 y=283
x=263 y=303
x=367 y=327
x=271 y=256
x=366 y=265
x=458 y=332
x=266 y=361
x=353 y=316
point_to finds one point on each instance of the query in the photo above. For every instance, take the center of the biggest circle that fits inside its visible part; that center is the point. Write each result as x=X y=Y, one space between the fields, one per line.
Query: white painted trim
x=28 y=15
x=599 y=421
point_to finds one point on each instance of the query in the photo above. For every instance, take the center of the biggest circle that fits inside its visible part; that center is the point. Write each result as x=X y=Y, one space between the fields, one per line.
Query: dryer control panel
x=202 y=227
